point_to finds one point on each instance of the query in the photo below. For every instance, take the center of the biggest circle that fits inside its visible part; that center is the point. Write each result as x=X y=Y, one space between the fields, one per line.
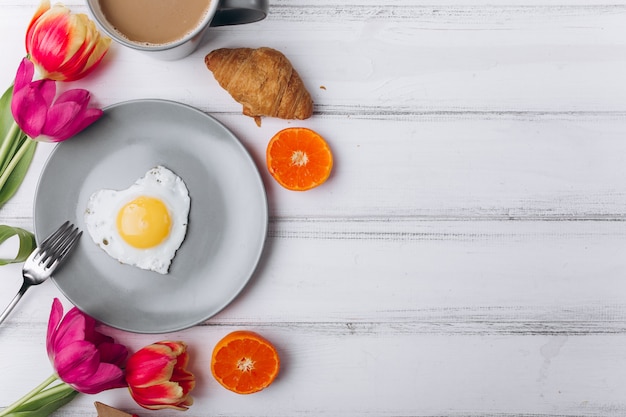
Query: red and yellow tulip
x=157 y=376
x=63 y=45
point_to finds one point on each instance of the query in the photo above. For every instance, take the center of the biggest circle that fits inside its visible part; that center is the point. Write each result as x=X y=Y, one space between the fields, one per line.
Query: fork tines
x=58 y=244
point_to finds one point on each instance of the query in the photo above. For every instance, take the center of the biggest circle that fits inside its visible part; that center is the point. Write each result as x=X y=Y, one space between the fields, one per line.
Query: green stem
x=28 y=143
x=30 y=395
x=8 y=141
x=48 y=392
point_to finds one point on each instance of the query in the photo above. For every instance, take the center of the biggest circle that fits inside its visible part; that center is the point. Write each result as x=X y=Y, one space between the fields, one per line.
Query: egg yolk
x=144 y=222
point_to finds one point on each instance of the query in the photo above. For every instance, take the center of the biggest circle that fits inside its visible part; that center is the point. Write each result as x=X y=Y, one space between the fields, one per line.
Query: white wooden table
x=467 y=256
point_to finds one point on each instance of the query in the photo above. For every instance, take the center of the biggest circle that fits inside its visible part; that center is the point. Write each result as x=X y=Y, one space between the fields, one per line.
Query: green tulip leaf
x=12 y=145
x=46 y=402
x=6 y=118
x=16 y=150
x=16 y=177
x=27 y=243
x=8 y=139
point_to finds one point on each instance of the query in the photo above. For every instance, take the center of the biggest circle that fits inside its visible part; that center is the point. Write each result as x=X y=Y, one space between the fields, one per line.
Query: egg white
x=103 y=207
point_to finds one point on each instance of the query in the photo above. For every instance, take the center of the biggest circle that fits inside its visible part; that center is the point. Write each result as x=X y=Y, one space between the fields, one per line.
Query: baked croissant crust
x=262 y=80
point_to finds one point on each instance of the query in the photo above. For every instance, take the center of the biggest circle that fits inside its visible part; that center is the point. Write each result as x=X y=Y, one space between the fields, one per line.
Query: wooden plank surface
x=466 y=257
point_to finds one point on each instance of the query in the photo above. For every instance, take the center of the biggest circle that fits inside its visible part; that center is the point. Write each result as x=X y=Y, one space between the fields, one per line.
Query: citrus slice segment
x=244 y=362
x=299 y=158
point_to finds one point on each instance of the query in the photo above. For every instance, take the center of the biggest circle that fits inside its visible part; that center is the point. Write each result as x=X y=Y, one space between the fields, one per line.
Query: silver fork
x=45 y=259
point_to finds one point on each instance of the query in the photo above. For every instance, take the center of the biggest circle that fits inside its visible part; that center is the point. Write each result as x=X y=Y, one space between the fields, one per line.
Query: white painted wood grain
x=441 y=167
x=364 y=373
x=486 y=58
x=455 y=277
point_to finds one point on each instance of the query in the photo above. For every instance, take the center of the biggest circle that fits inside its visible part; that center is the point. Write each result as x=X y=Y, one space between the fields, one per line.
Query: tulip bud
x=64 y=46
x=43 y=118
x=84 y=358
x=157 y=376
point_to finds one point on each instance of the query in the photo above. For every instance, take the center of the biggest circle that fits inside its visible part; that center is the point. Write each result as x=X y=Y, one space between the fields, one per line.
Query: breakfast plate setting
x=223 y=221
x=319 y=208
x=174 y=207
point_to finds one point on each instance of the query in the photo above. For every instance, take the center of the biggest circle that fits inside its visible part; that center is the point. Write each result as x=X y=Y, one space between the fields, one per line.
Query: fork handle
x=14 y=301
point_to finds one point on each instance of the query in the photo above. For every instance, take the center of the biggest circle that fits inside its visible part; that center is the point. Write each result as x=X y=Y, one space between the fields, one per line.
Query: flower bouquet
x=88 y=361
x=61 y=46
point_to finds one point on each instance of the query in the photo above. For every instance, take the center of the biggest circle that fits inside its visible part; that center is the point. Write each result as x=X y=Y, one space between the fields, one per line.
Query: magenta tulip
x=43 y=118
x=84 y=358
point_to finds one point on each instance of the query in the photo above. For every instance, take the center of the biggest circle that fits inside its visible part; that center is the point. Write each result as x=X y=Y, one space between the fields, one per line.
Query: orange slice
x=299 y=158
x=244 y=362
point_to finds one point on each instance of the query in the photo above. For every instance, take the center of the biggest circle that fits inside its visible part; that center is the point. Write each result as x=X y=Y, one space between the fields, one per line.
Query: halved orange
x=244 y=362
x=299 y=158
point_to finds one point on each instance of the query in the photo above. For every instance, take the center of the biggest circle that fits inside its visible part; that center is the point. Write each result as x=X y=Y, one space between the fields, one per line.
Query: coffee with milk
x=154 y=22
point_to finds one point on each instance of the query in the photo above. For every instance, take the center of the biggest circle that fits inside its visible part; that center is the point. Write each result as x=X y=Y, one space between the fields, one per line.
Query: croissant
x=262 y=80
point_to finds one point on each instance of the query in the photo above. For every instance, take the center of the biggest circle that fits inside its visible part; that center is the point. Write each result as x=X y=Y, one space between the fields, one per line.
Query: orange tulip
x=64 y=46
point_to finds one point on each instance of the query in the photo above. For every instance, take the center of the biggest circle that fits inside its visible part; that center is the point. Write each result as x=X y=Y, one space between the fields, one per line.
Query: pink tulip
x=87 y=360
x=44 y=119
x=157 y=376
x=64 y=46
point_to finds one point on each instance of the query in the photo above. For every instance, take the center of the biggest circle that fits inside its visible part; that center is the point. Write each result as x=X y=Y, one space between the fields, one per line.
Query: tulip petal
x=77 y=362
x=97 y=54
x=151 y=365
x=56 y=313
x=44 y=6
x=177 y=348
x=76 y=125
x=180 y=373
x=187 y=386
x=30 y=101
x=106 y=376
x=70 y=330
x=75 y=95
x=50 y=38
x=90 y=331
x=81 y=47
x=78 y=35
x=97 y=336
x=113 y=353
x=29 y=110
x=24 y=75
x=69 y=115
x=165 y=395
x=89 y=116
x=59 y=117
x=46 y=88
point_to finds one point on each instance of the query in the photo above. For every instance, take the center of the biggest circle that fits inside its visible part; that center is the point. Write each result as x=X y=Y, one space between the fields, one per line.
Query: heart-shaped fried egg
x=143 y=225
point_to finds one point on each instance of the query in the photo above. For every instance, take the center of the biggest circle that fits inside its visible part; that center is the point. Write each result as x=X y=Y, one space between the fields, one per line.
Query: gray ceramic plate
x=227 y=220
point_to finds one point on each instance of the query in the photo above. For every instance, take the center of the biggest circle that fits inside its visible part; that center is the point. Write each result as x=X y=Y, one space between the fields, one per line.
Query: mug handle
x=236 y=12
